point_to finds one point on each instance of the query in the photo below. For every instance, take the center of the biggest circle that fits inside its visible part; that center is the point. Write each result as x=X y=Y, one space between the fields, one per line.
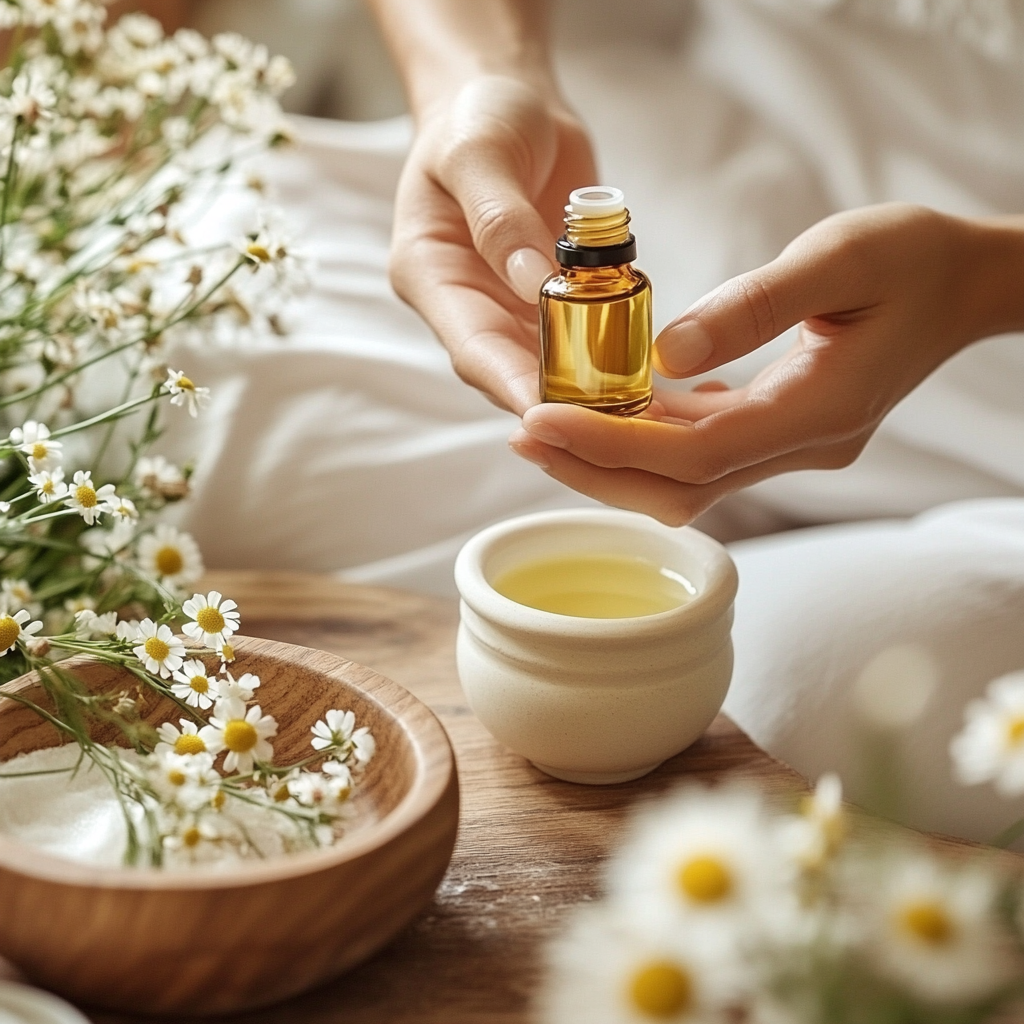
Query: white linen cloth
x=352 y=447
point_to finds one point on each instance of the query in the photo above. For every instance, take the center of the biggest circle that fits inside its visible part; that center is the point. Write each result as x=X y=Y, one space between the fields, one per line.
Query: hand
x=479 y=204
x=883 y=296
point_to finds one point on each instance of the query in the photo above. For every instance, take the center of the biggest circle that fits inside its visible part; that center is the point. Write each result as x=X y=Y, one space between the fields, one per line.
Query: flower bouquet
x=113 y=140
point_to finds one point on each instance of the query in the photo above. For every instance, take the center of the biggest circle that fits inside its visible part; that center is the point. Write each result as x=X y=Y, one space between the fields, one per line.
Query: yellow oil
x=596 y=339
x=595 y=586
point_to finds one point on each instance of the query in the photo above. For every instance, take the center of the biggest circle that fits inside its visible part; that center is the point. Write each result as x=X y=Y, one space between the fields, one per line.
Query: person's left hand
x=884 y=295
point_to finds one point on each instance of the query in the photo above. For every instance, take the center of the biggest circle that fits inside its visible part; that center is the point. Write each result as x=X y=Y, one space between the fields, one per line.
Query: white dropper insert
x=597 y=201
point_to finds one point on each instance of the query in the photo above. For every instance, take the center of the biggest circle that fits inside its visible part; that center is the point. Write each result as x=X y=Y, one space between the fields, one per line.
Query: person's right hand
x=478 y=207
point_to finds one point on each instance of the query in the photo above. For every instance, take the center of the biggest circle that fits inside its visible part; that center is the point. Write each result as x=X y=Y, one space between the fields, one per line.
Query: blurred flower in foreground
x=991 y=746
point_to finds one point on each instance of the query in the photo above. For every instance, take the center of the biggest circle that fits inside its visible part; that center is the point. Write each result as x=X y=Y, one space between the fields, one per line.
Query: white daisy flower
x=612 y=968
x=33 y=439
x=183 y=741
x=816 y=835
x=89 y=625
x=339 y=771
x=86 y=499
x=170 y=556
x=121 y=508
x=244 y=734
x=184 y=780
x=13 y=627
x=241 y=688
x=710 y=858
x=931 y=925
x=160 y=478
x=49 y=485
x=192 y=684
x=127 y=630
x=184 y=392
x=19 y=594
x=214 y=618
x=160 y=650
x=105 y=544
x=991 y=746
x=333 y=730
x=326 y=793
x=194 y=838
x=226 y=652
x=31 y=98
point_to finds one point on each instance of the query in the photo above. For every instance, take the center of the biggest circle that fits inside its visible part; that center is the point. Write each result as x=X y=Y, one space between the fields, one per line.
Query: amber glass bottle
x=595 y=313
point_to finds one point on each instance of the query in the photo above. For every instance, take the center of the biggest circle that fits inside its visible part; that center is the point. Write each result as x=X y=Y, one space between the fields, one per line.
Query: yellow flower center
x=1015 y=731
x=210 y=620
x=928 y=922
x=39 y=451
x=192 y=837
x=227 y=652
x=9 y=632
x=185 y=384
x=175 y=777
x=260 y=252
x=281 y=793
x=156 y=648
x=85 y=496
x=705 y=880
x=661 y=990
x=169 y=561
x=189 y=743
x=47 y=488
x=218 y=800
x=200 y=684
x=239 y=736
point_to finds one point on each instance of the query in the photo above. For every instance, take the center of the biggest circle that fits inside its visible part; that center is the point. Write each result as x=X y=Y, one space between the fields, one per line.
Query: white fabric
x=816 y=605
x=351 y=446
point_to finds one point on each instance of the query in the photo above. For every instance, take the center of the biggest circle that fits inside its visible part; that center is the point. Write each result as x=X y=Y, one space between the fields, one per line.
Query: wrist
x=994 y=258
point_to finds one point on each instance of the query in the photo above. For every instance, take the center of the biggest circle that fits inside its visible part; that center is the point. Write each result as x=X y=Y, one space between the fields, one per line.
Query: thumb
x=750 y=310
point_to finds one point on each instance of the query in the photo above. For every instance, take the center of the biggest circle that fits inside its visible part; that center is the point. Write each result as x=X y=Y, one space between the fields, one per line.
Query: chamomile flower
x=193 y=685
x=160 y=478
x=170 y=556
x=815 y=836
x=708 y=858
x=615 y=968
x=159 y=649
x=932 y=926
x=49 y=485
x=241 y=688
x=183 y=741
x=33 y=439
x=127 y=630
x=214 y=618
x=19 y=594
x=89 y=625
x=336 y=732
x=86 y=499
x=325 y=793
x=193 y=838
x=14 y=627
x=991 y=746
x=185 y=392
x=226 y=652
x=185 y=780
x=245 y=735
x=122 y=508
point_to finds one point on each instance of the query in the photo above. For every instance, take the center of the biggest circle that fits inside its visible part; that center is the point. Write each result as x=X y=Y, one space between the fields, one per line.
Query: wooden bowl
x=201 y=941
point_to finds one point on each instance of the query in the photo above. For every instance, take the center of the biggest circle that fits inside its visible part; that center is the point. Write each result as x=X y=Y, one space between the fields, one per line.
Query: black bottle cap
x=569 y=255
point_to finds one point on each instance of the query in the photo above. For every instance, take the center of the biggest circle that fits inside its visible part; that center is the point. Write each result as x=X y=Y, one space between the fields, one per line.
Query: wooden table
x=530 y=848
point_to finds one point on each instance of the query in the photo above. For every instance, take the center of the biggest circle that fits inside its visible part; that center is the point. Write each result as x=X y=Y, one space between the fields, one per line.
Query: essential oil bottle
x=595 y=313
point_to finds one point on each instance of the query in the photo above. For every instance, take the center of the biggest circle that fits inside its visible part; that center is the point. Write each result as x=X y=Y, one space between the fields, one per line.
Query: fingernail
x=684 y=346
x=525 y=450
x=548 y=434
x=527 y=269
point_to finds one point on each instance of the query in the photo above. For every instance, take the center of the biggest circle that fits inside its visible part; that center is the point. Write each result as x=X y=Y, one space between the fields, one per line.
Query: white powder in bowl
x=77 y=815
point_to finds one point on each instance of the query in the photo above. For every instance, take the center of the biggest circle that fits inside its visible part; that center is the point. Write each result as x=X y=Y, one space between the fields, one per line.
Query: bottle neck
x=597 y=232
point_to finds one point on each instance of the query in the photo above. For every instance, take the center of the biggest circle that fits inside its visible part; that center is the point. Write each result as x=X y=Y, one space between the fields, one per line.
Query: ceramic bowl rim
x=711 y=602
x=428 y=786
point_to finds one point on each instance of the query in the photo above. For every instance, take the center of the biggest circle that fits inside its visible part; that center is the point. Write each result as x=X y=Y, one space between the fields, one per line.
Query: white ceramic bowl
x=595 y=700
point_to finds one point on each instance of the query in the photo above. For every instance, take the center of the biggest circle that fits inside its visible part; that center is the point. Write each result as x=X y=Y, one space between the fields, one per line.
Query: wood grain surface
x=530 y=847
